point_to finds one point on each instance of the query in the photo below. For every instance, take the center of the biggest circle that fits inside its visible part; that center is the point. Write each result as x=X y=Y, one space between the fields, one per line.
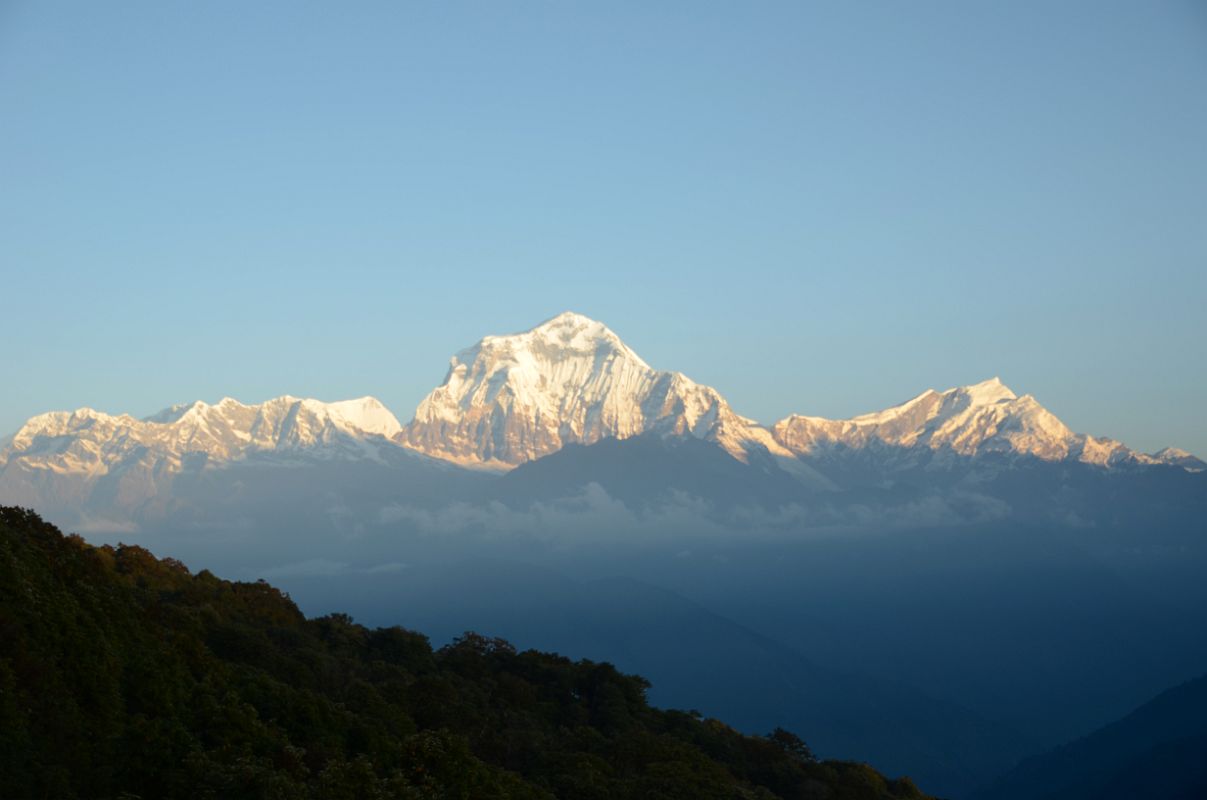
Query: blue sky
x=814 y=207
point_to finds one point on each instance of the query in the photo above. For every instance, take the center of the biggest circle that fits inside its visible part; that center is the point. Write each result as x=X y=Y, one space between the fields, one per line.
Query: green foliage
x=792 y=744
x=125 y=676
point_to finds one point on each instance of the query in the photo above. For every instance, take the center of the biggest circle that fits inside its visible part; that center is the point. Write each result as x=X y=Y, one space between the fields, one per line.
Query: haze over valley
x=999 y=582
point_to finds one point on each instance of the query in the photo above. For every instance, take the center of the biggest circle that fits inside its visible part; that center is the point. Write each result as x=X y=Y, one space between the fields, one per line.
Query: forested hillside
x=126 y=676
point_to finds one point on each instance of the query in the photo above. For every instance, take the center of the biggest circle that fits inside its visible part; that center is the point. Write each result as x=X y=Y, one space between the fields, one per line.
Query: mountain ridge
x=512 y=399
x=89 y=441
x=986 y=417
x=1116 y=760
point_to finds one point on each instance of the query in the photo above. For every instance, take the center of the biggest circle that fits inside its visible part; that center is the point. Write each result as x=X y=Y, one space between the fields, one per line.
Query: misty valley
x=958 y=589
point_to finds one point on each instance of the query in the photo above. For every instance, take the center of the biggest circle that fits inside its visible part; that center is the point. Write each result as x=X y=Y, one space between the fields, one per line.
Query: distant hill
x=125 y=676
x=695 y=659
x=1158 y=751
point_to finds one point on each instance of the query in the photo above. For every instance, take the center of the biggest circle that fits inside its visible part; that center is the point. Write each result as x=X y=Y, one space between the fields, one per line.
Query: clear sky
x=814 y=207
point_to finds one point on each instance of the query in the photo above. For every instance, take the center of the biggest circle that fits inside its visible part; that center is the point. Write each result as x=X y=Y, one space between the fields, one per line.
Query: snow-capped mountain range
x=513 y=399
x=91 y=442
x=975 y=420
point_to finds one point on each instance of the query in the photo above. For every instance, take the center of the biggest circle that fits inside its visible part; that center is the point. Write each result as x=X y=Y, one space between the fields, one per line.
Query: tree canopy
x=126 y=676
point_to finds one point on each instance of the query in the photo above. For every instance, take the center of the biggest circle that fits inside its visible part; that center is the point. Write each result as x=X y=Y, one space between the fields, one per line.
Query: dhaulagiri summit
x=570 y=380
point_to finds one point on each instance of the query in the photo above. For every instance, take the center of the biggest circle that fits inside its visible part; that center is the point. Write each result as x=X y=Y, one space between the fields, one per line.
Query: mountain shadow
x=1158 y=750
x=642 y=471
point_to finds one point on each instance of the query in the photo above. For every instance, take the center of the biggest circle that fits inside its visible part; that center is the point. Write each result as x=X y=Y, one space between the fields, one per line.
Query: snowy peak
x=94 y=443
x=900 y=420
x=365 y=415
x=1179 y=458
x=983 y=418
x=282 y=420
x=566 y=336
x=511 y=399
x=985 y=393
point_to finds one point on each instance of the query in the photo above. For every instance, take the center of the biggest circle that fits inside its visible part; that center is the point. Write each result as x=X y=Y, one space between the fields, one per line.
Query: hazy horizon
x=404 y=415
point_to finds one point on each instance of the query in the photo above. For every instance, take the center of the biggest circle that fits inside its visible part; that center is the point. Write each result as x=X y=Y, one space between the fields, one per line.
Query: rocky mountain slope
x=570 y=380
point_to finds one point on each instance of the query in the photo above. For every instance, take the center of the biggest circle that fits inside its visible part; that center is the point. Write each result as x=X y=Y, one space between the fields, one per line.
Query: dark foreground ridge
x=126 y=676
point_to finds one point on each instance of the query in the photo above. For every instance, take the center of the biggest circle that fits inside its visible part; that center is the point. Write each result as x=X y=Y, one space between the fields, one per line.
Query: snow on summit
x=86 y=441
x=511 y=399
x=983 y=418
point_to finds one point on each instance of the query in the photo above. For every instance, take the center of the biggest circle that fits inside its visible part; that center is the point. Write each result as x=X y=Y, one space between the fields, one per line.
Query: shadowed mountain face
x=888 y=487
x=1158 y=750
x=646 y=470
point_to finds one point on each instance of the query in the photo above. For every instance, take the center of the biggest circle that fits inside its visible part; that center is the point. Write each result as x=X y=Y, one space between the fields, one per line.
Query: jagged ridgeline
x=123 y=675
